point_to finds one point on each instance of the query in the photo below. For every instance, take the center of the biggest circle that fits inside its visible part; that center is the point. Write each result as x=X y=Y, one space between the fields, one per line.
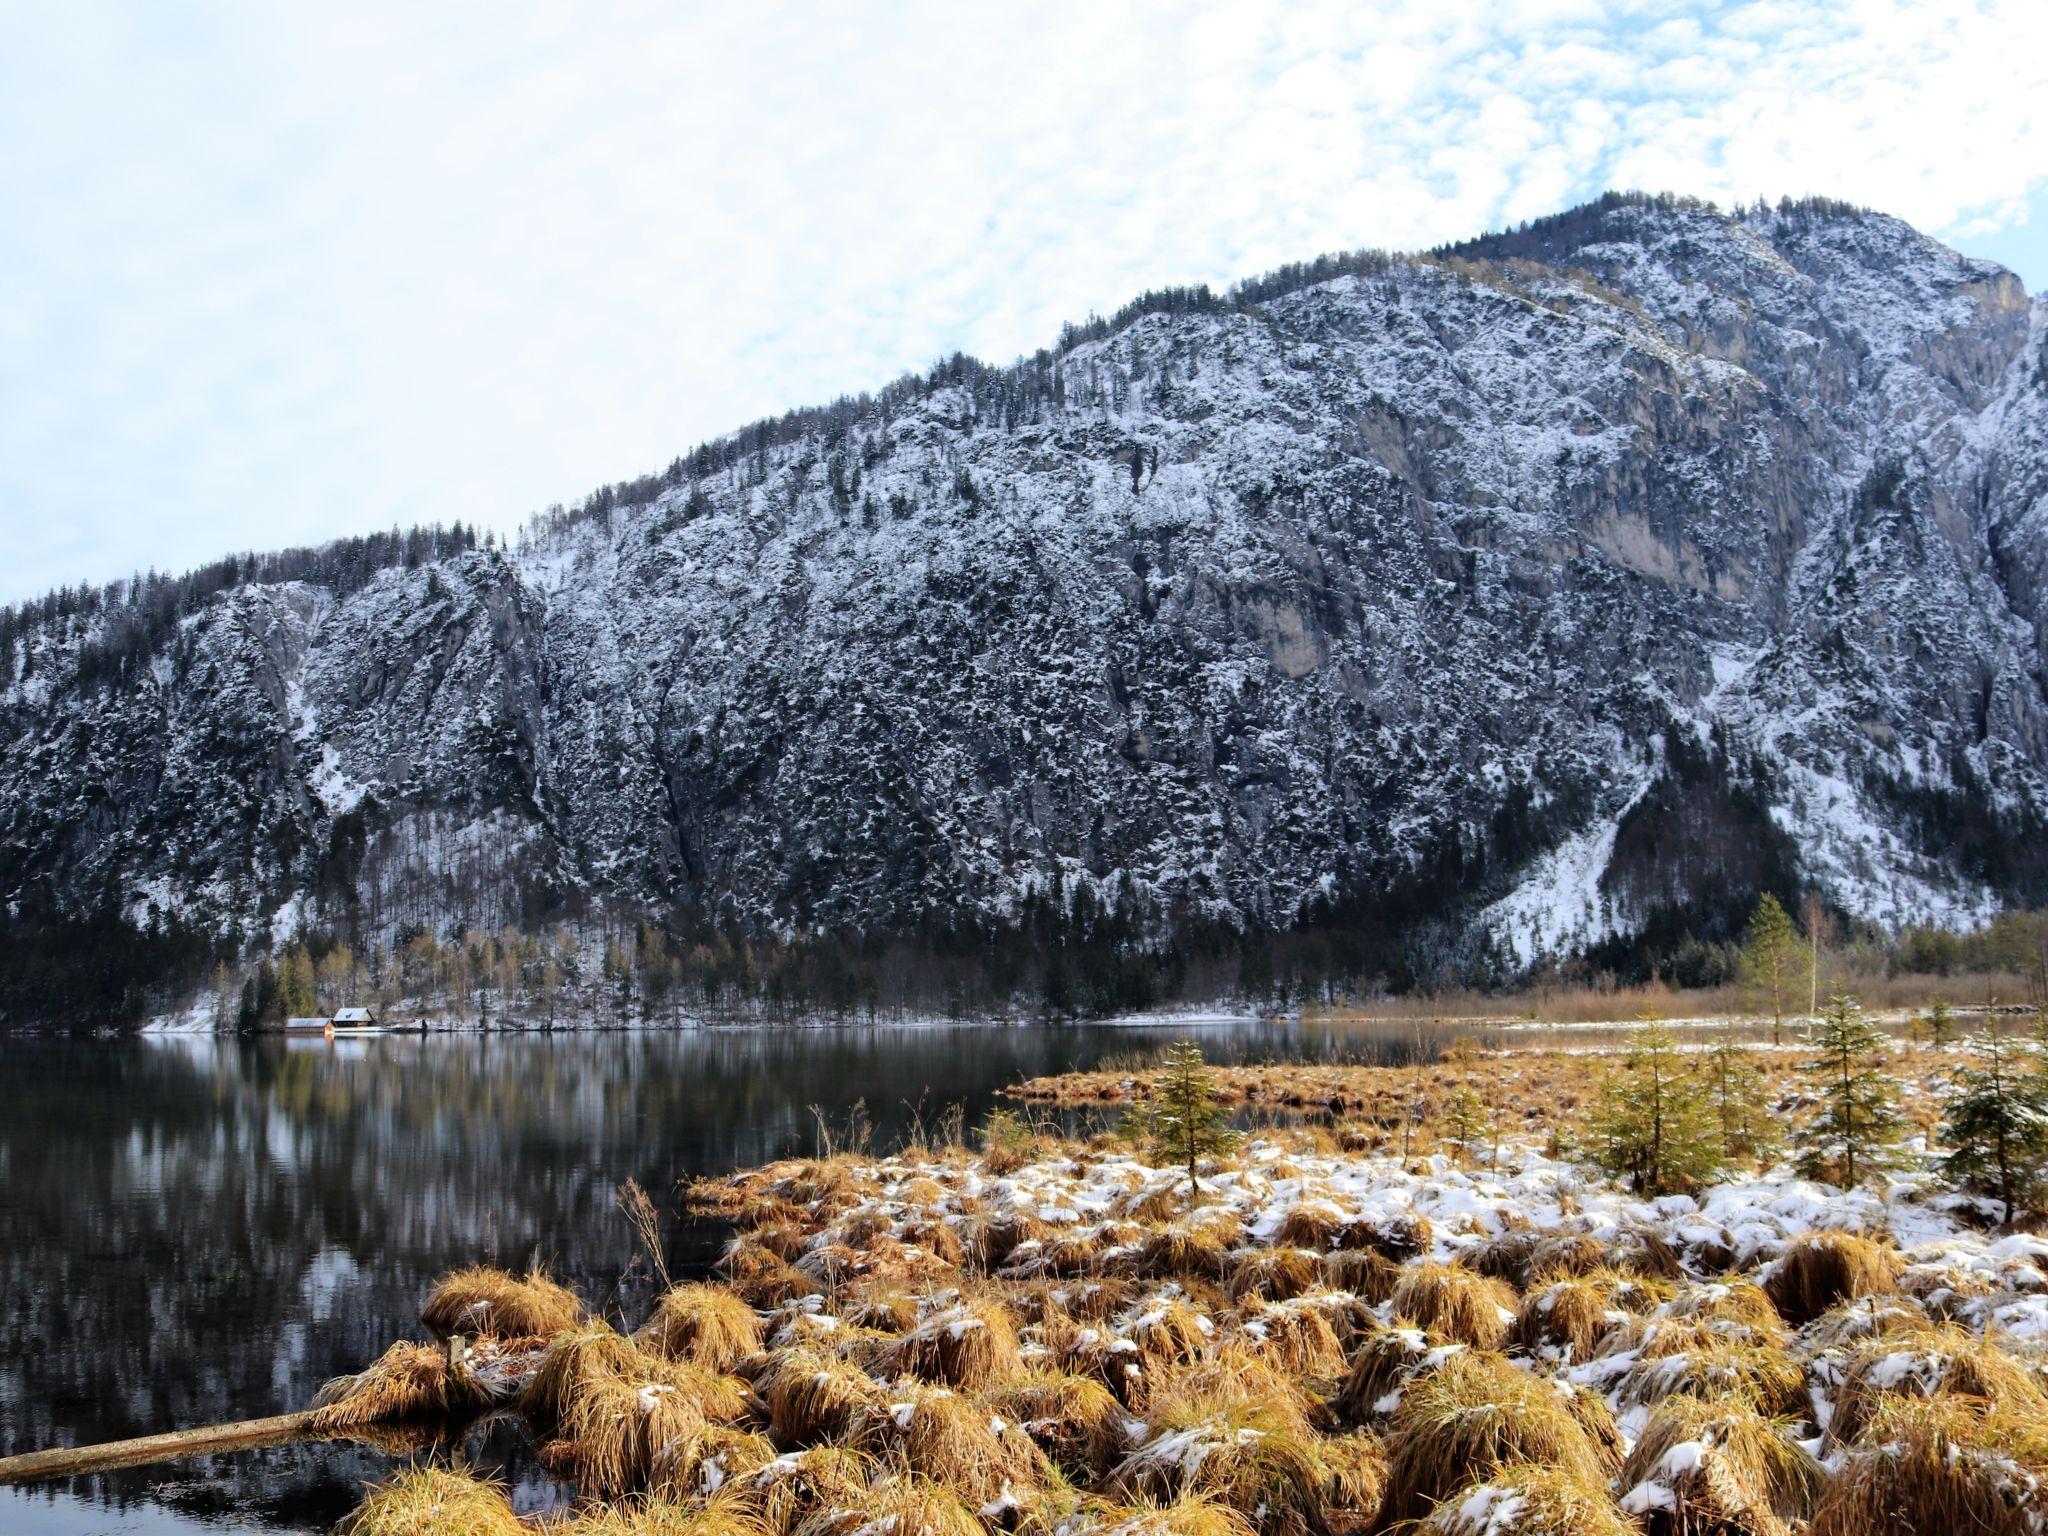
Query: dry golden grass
x=1364 y=1272
x=1937 y=1467
x=407 y=1381
x=1193 y=1516
x=1355 y=1480
x=427 y=1501
x=703 y=1324
x=1818 y=1271
x=900 y=1504
x=1769 y=1379
x=718 y=1461
x=656 y=1515
x=1460 y=1304
x=483 y=1301
x=1937 y=1362
x=1239 y=1454
x=1721 y=1466
x=1383 y=1363
x=1074 y=1419
x=1530 y=1501
x=791 y=1489
x=950 y=1438
x=1570 y=1316
x=1472 y=1419
x=813 y=1397
x=1311 y=1224
x=614 y=1432
x=963 y=1346
x=1271 y=1274
x=1298 y=1339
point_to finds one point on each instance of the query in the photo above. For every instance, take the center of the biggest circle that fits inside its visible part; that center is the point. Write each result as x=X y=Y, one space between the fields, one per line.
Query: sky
x=274 y=273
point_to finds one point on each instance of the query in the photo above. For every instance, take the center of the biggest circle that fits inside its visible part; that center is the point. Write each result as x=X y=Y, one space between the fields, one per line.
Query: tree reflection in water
x=194 y=1230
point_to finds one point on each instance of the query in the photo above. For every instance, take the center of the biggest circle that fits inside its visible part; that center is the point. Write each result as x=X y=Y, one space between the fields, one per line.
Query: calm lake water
x=195 y=1230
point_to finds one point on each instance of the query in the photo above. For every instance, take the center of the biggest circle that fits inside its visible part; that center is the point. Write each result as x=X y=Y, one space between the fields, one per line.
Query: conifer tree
x=1939 y=1025
x=1995 y=1122
x=1857 y=1131
x=1182 y=1119
x=1467 y=1122
x=1652 y=1121
x=1769 y=958
x=1740 y=1097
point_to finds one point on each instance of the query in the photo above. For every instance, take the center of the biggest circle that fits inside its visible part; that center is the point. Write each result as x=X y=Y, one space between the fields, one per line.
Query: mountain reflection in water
x=194 y=1230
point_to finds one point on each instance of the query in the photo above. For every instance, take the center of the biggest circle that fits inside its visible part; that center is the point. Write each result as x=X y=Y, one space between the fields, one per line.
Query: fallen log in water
x=75 y=1461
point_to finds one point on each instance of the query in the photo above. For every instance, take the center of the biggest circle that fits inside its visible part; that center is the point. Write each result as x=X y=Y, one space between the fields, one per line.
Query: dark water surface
x=194 y=1230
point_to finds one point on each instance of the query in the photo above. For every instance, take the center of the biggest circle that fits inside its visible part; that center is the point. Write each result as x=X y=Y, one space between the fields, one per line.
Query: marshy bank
x=1054 y=1334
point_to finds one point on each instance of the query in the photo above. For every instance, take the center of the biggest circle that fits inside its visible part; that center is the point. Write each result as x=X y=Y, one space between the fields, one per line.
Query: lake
x=198 y=1229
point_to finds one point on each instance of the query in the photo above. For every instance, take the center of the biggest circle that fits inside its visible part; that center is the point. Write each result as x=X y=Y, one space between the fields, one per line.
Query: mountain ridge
x=1491 y=607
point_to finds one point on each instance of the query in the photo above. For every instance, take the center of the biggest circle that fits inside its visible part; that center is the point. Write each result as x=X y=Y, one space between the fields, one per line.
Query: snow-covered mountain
x=1625 y=564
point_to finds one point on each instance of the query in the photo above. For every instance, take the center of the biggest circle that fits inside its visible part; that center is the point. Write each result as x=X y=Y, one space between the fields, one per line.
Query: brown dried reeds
x=704 y=1324
x=1943 y=1361
x=813 y=1397
x=1460 y=1304
x=1473 y=1418
x=485 y=1301
x=1271 y=1274
x=1718 y=1465
x=1073 y=1419
x=962 y=1346
x=407 y=1381
x=1821 y=1269
x=900 y=1504
x=429 y=1501
x=1937 y=1467
x=1529 y=1501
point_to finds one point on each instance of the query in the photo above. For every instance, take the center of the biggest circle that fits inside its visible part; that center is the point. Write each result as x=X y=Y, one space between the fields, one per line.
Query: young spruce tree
x=1182 y=1119
x=1770 y=958
x=1740 y=1096
x=1856 y=1133
x=1995 y=1122
x=1652 y=1120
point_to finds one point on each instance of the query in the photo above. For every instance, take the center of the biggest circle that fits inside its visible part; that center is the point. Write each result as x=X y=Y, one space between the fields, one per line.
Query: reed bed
x=1336 y=1335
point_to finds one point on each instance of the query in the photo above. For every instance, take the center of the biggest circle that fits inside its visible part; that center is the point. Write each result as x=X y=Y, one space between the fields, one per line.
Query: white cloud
x=269 y=273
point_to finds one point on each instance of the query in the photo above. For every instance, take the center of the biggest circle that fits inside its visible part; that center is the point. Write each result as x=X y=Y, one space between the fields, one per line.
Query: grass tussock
x=1271 y=1274
x=900 y=1504
x=812 y=1397
x=1365 y=1272
x=407 y=1381
x=1383 y=1363
x=429 y=1501
x=491 y=1302
x=576 y=1359
x=962 y=1346
x=718 y=1461
x=1312 y=1224
x=659 y=1515
x=1768 y=1379
x=1355 y=1480
x=1299 y=1339
x=1191 y=1516
x=1718 y=1465
x=1938 y=1362
x=1530 y=1501
x=791 y=1489
x=1822 y=1269
x=946 y=1436
x=1186 y=1251
x=1937 y=1466
x=614 y=1435
x=1473 y=1418
x=1400 y=1238
x=1569 y=1316
x=703 y=1324
x=1458 y=1303
x=1243 y=1455
x=1075 y=1420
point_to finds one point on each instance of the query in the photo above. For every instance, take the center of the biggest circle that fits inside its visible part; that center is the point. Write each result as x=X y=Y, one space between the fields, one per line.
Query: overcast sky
x=272 y=273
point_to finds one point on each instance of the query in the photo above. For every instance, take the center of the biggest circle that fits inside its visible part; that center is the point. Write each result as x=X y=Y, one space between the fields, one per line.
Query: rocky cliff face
x=1628 y=563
